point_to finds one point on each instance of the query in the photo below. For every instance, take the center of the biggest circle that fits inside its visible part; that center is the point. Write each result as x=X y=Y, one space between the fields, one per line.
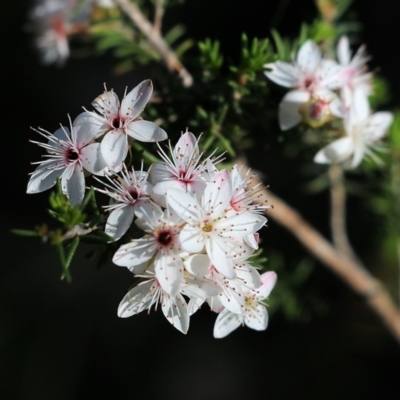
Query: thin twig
x=351 y=271
x=154 y=37
x=338 y=211
x=158 y=15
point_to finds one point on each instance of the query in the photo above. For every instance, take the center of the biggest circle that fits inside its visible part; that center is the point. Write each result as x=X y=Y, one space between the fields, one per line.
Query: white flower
x=150 y=292
x=128 y=193
x=362 y=132
x=118 y=121
x=255 y=314
x=69 y=153
x=209 y=226
x=354 y=70
x=310 y=77
x=160 y=246
x=183 y=171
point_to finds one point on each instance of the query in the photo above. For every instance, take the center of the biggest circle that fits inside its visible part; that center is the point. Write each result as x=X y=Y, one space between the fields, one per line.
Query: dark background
x=60 y=341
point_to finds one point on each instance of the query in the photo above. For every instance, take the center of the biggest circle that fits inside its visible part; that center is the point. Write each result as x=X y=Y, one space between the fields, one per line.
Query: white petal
x=135 y=101
x=308 y=57
x=159 y=172
x=86 y=127
x=232 y=297
x=92 y=159
x=135 y=254
x=335 y=152
x=114 y=148
x=136 y=300
x=160 y=190
x=186 y=150
x=119 y=221
x=226 y=323
x=107 y=104
x=145 y=131
x=289 y=115
x=43 y=178
x=256 y=318
x=175 y=310
x=240 y=225
x=194 y=304
x=217 y=195
x=73 y=184
x=248 y=275
x=169 y=272
x=149 y=216
x=283 y=74
x=377 y=125
x=343 y=50
x=192 y=239
x=185 y=205
x=219 y=253
x=198 y=264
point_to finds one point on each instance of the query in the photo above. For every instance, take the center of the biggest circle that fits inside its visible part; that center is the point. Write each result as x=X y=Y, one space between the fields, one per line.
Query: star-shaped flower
x=120 y=121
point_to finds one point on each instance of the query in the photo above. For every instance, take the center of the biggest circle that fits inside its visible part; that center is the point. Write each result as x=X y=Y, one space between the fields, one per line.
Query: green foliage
x=210 y=57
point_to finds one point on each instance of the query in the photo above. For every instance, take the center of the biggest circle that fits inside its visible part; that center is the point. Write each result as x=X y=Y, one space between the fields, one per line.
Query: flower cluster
x=54 y=21
x=195 y=227
x=200 y=229
x=323 y=89
x=95 y=143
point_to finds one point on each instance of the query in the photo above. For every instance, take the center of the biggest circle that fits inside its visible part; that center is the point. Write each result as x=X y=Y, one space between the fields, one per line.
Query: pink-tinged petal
x=136 y=300
x=215 y=304
x=268 y=283
x=186 y=150
x=73 y=184
x=192 y=239
x=185 y=205
x=169 y=272
x=226 y=323
x=175 y=310
x=329 y=75
x=256 y=318
x=198 y=264
x=107 y=104
x=282 y=74
x=149 y=216
x=119 y=221
x=343 y=51
x=217 y=195
x=335 y=152
x=289 y=115
x=145 y=131
x=219 y=252
x=377 y=125
x=308 y=57
x=86 y=129
x=135 y=101
x=43 y=178
x=114 y=148
x=252 y=240
x=92 y=159
x=135 y=254
x=240 y=225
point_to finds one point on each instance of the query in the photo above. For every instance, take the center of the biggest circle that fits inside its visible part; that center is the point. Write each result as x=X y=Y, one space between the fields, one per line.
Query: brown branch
x=352 y=272
x=158 y=15
x=154 y=37
x=338 y=211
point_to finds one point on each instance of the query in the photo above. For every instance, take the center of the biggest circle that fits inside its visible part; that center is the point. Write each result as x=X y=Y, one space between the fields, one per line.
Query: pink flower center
x=71 y=156
x=165 y=237
x=117 y=122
